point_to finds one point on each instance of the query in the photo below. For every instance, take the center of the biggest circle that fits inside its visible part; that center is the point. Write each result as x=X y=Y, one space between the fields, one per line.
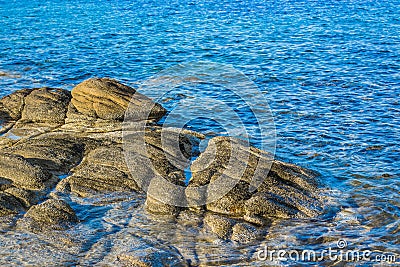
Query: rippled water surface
x=330 y=71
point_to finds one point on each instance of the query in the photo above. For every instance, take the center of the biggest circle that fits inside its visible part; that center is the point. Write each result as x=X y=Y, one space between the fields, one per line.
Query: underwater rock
x=128 y=249
x=53 y=213
x=108 y=99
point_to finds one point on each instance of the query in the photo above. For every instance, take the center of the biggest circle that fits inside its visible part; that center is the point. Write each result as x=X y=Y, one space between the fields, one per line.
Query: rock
x=57 y=154
x=219 y=225
x=48 y=132
x=97 y=173
x=26 y=197
x=284 y=190
x=269 y=205
x=5 y=184
x=160 y=155
x=22 y=129
x=9 y=205
x=11 y=106
x=256 y=220
x=233 y=203
x=52 y=213
x=157 y=207
x=108 y=99
x=22 y=173
x=131 y=250
x=244 y=233
x=173 y=200
x=151 y=257
x=46 y=105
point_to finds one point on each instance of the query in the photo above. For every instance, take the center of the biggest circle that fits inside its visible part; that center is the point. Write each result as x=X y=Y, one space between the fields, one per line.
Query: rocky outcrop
x=9 y=205
x=27 y=198
x=76 y=146
x=11 y=106
x=48 y=105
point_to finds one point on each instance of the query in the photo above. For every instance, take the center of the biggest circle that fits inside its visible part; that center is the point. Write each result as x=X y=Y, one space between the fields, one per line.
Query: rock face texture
x=97 y=173
x=22 y=173
x=55 y=154
x=57 y=145
x=11 y=106
x=46 y=105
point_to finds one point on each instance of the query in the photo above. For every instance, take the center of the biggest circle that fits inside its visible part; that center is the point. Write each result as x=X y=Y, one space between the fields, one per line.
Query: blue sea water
x=330 y=71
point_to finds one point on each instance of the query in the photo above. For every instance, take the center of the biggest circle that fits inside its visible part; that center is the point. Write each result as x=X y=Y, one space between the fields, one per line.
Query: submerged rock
x=128 y=249
x=150 y=257
x=53 y=213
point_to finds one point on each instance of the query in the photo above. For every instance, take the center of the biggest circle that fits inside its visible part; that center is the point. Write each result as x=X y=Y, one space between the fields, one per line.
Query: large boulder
x=108 y=99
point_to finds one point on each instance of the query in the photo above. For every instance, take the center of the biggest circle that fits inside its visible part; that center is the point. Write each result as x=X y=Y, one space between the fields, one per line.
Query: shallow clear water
x=330 y=71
